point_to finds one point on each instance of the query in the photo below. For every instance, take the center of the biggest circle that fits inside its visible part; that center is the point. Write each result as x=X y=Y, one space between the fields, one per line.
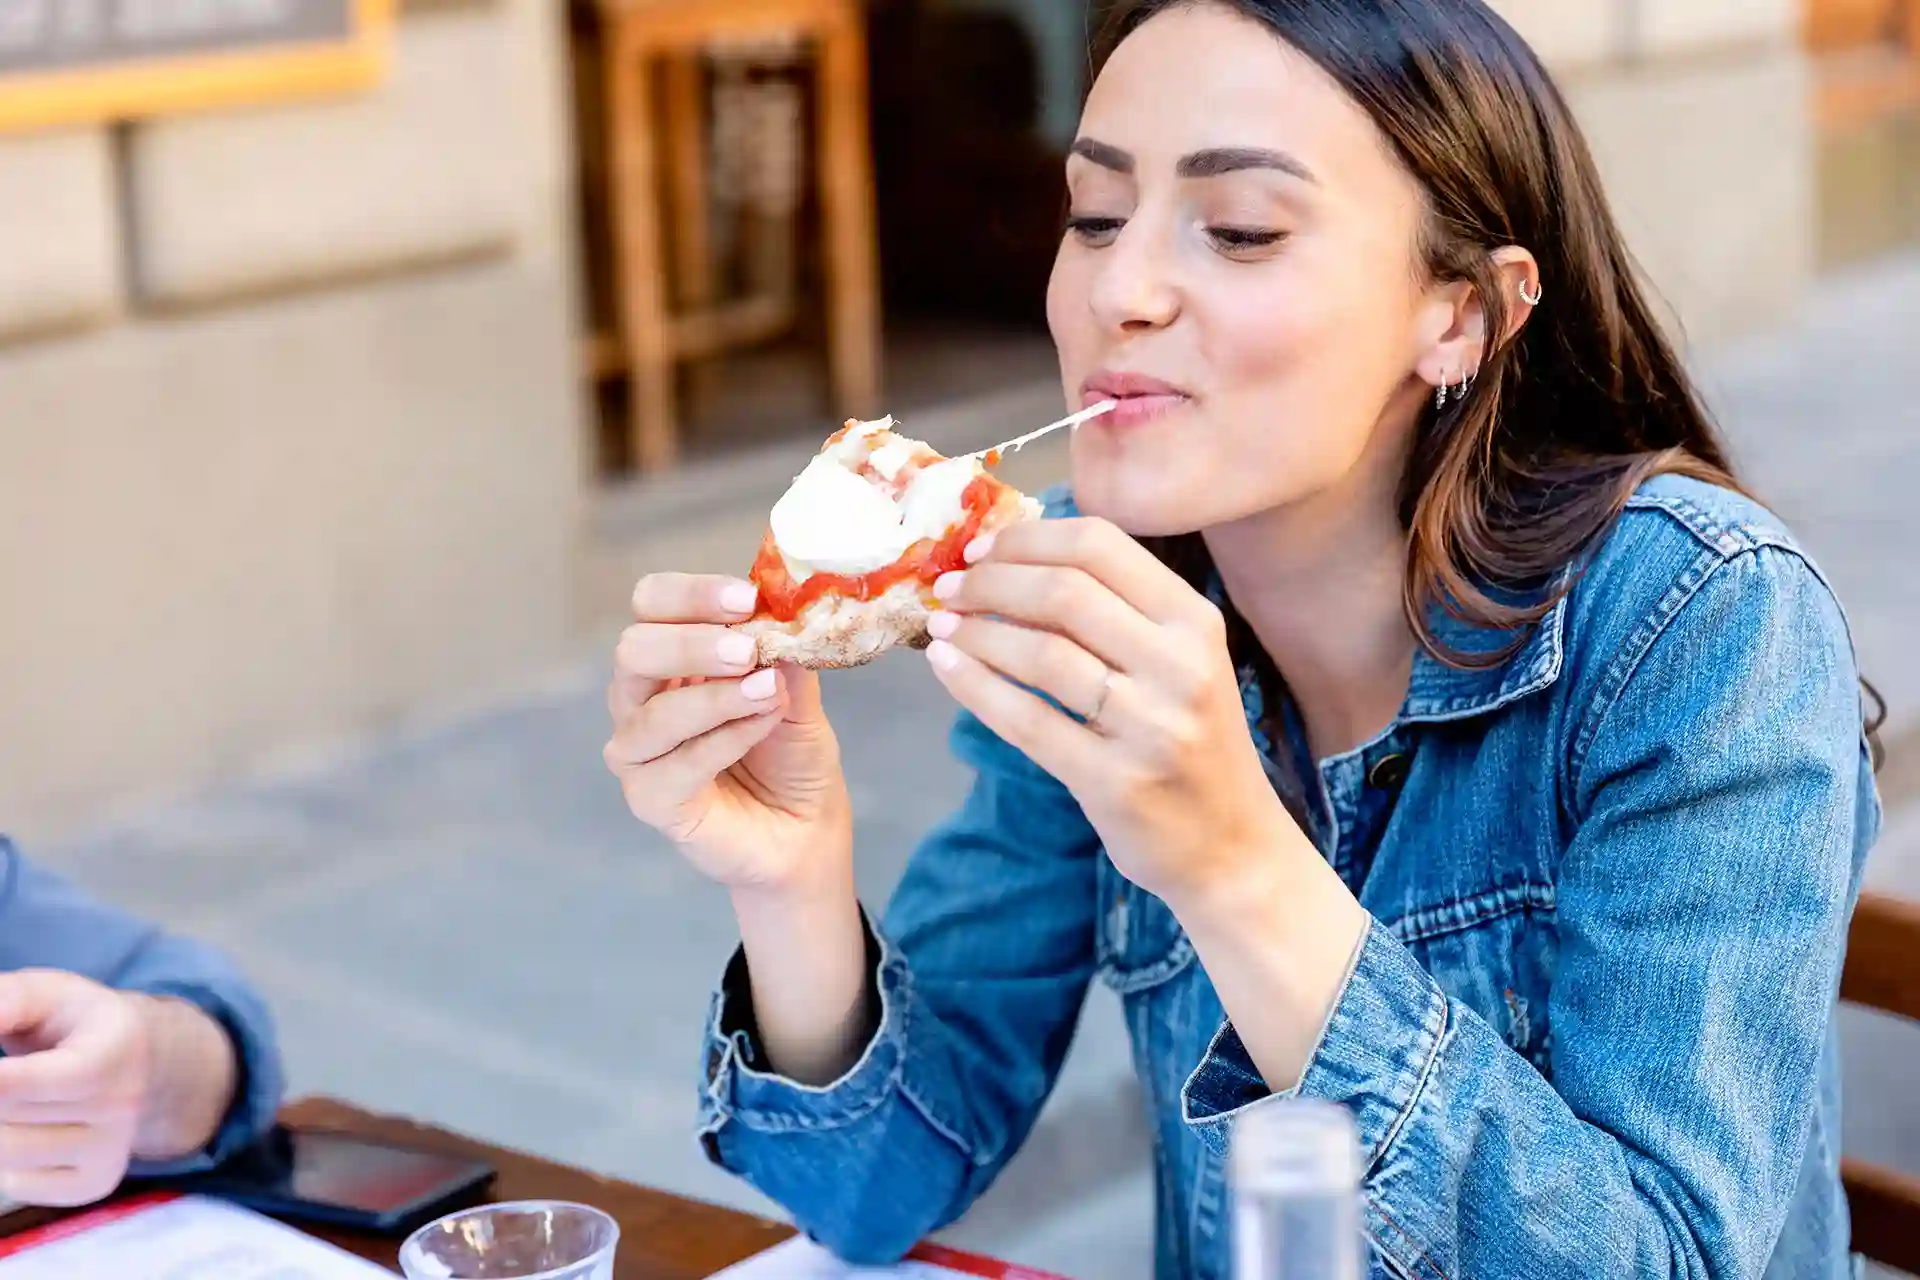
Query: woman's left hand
x=1163 y=765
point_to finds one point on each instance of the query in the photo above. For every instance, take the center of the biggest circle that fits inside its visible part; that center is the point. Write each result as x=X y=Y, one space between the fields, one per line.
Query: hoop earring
x=1532 y=299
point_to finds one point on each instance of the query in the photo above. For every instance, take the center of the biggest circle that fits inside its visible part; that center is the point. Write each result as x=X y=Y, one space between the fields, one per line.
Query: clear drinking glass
x=525 y=1240
x=1295 y=1173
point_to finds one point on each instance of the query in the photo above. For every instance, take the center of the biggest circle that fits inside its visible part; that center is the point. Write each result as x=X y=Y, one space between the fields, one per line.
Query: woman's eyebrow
x=1104 y=154
x=1210 y=163
x=1215 y=161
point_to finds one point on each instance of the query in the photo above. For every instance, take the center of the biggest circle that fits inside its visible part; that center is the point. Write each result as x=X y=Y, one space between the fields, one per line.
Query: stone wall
x=289 y=423
x=1699 y=113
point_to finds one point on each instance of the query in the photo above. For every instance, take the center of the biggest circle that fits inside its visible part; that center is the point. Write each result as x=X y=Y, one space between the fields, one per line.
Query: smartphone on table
x=340 y=1180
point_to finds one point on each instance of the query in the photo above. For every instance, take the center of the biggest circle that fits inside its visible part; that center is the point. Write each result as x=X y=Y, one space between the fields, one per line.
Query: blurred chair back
x=686 y=95
x=1883 y=972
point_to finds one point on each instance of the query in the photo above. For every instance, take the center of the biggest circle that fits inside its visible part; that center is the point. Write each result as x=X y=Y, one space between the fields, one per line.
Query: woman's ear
x=1455 y=337
x=1451 y=326
x=1519 y=281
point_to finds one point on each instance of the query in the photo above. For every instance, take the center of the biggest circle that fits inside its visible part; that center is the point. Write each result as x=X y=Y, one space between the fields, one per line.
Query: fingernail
x=761 y=685
x=947 y=586
x=739 y=597
x=941 y=626
x=943 y=656
x=978 y=548
x=736 y=650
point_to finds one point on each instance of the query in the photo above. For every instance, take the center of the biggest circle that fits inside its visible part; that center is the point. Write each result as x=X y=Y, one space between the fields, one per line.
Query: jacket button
x=1389 y=772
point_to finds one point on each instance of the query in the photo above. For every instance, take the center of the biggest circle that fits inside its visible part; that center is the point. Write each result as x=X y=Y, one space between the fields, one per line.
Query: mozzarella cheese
x=892 y=457
x=831 y=520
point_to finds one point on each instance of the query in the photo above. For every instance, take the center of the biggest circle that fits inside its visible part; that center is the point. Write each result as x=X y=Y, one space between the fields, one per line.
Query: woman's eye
x=1094 y=231
x=1238 y=239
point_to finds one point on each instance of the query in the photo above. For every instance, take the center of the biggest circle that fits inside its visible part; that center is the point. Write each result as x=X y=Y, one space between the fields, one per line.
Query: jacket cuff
x=739 y=1084
x=1375 y=1054
x=259 y=1084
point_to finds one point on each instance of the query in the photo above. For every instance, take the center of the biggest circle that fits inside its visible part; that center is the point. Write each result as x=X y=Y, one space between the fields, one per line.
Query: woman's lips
x=1141 y=399
x=1137 y=411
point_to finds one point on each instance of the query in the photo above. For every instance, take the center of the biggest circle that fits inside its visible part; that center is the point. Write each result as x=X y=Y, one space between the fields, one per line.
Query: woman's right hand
x=737 y=767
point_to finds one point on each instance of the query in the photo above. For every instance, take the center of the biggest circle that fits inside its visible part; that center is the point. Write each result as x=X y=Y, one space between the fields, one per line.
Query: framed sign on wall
x=65 y=62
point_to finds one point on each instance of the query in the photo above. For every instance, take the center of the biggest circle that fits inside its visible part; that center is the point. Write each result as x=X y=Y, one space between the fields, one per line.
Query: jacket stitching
x=1728 y=535
x=1465 y=913
x=1433 y=1268
x=1633 y=651
x=923 y=1105
x=1168 y=966
x=1439 y=1012
x=784 y=1119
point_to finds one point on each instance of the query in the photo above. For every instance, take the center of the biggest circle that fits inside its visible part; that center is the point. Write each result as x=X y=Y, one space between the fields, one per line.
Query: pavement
x=459 y=921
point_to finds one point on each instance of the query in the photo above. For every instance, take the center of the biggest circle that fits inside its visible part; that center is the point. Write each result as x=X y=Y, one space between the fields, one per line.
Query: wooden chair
x=1883 y=972
x=649 y=42
x=1829 y=25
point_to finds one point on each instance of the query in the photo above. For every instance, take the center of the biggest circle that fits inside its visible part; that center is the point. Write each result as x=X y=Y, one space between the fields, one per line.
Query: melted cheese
x=892 y=457
x=831 y=520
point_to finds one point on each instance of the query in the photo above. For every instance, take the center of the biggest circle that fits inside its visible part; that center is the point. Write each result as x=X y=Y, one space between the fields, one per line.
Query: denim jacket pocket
x=1138 y=942
x=1494 y=952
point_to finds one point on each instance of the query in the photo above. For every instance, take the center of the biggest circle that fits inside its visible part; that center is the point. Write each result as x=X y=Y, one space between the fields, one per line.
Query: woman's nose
x=1134 y=288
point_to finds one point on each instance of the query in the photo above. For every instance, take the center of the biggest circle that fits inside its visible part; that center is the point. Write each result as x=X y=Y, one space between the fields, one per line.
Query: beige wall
x=290 y=438
x=59 y=238
x=1710 y=167
x=317 y=461
x=1698 y=112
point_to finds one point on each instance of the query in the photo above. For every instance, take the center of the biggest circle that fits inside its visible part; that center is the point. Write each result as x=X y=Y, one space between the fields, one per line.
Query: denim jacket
x=47 y=923
x=1589 y=1032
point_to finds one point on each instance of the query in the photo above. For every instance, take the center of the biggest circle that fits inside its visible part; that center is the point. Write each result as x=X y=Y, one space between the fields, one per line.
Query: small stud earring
x=1532 y=298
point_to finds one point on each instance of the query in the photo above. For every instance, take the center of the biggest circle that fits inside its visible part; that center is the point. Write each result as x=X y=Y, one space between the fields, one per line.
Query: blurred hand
x=737 y=767
x=95 y=1078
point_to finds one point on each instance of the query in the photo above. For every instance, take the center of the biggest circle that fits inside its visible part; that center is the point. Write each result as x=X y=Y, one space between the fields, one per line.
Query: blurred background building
x=335 y=427
x=320 y=412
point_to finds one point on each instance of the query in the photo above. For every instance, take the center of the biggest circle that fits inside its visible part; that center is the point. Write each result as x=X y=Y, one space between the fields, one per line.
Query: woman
x=1430 y=724
x=124 y=1047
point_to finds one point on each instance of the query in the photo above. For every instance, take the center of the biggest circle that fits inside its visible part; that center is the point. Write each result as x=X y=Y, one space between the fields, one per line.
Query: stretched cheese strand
x=1071 y=420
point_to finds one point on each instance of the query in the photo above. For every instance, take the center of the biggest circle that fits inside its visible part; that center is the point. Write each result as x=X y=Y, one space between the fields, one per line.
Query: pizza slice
x=852 y=550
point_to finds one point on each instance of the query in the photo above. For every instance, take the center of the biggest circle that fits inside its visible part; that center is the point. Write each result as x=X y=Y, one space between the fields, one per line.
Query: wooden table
x=662 y=1236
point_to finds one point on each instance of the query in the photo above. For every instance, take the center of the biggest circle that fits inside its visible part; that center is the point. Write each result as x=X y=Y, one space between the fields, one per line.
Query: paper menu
x=801 y=1259
x=176 y=1238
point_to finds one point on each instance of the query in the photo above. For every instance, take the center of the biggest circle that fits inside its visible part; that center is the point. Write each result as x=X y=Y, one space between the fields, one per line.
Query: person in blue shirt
x=126 y=1048
x=1406 y=708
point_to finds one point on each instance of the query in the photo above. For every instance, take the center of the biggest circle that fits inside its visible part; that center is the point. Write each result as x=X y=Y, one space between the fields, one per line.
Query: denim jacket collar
x=1438 y=691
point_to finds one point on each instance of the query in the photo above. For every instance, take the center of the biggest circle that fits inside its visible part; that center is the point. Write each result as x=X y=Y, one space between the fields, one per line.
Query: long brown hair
x=1508 y=485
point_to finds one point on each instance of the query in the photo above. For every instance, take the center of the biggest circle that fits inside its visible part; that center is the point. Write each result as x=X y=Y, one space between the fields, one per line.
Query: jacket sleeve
x=48 y=923
x=1702 y=906
x=981 y=967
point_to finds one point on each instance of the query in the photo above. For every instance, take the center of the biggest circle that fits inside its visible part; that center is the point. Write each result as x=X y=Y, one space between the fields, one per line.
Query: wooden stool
x=655 y=337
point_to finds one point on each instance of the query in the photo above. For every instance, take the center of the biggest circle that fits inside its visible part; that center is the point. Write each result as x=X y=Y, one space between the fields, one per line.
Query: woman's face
x=1241 y=270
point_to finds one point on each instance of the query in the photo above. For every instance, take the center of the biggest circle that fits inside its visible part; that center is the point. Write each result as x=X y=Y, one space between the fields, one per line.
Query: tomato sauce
x=783 y=599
